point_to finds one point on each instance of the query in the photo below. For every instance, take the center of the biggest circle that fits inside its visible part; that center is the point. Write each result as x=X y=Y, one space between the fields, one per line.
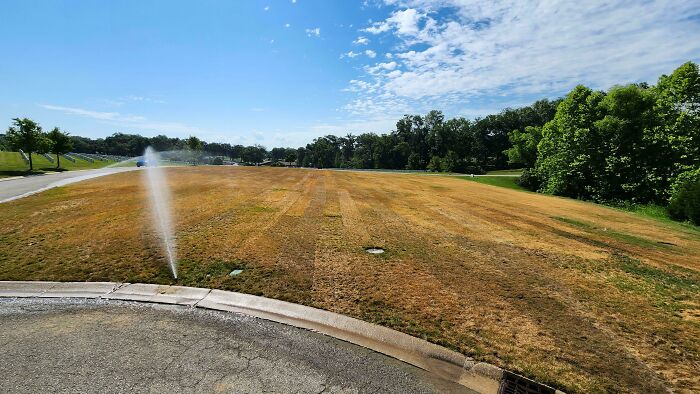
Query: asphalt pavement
x=78 y=345
x=12 y=189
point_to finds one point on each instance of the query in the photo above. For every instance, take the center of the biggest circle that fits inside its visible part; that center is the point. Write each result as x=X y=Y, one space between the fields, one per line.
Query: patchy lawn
x=573 y=294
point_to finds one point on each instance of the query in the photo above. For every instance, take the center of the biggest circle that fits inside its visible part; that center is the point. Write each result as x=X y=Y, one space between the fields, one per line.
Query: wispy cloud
x=349 y=54
x=315 y=32
x=448 y=51
x=145 y=99
x=377 y=125
x=361 y=41
x=118 y=102
x=132 y=121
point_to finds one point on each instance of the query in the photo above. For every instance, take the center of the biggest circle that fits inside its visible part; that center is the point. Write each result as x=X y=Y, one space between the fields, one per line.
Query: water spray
x=160 y=205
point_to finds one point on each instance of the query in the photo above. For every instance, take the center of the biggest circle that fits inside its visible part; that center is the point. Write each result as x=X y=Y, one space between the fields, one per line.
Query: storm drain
x=516 y=384
x=374 y=250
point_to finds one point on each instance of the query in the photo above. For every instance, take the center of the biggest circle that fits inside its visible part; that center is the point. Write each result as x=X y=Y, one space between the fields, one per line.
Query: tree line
x=430 y=142
x=122 y=144
x=631 y=144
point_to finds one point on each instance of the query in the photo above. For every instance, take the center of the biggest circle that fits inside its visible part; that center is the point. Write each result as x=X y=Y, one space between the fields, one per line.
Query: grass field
x=517 y=172
x=501 y=181
x=573 y=294
x=11 y=164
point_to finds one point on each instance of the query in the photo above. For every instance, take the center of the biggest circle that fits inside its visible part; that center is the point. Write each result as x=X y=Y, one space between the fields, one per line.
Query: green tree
x=623 y=145
x=26 y=134
x=678 y=106
x=684 y=203
x=195 y=145
x=451 y=162
x=524 y=149
x=61 y=144
x=435 y=164
x=414 y=162
x=254 y=154
x=571 y=151
x=631 y=167
x=278 y=154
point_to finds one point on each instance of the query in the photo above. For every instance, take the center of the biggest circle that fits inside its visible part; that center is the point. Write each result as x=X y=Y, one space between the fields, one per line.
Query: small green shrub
x=435 y=164
x=529 y=180
x=685 y=197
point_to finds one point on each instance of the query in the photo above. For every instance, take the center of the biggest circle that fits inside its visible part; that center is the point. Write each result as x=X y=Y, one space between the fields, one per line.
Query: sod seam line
x=440 y=361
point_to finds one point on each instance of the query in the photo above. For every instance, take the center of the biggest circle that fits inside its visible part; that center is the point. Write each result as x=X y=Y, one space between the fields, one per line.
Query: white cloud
x=379 y=125
x=370 y=53
x=361 y=41
x=144 y=99
x=385 y=66
x=377 y=28
x=451 y=50
x=404 y=22
x=82 y=112
x=287 y=25
x=349 y=54
x=132 y=98
x=294 y=1
x=132 y=121
x=267 y=8
x=315 y=32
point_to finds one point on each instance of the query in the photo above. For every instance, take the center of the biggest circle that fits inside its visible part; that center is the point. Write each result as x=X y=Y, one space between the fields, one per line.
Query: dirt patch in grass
x=580 y=296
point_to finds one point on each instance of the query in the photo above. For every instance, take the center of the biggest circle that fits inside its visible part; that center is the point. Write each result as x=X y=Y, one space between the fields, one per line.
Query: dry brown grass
x=577 y=295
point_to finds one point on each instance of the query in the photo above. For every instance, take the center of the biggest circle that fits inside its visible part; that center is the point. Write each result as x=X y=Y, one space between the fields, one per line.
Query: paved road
x=15 y=188
x=71 y=345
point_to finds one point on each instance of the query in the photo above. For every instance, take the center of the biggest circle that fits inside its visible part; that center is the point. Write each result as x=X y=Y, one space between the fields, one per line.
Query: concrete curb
x=450 y=365
x=9 y=178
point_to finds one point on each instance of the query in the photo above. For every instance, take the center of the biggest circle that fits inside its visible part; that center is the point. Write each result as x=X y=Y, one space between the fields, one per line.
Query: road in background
x=14 y=188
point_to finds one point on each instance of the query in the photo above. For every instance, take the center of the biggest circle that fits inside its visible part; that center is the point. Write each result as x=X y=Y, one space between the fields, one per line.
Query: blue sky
x=280 y=73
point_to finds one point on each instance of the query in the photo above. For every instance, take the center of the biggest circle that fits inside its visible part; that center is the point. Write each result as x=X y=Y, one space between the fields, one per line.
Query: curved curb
x=450 y=365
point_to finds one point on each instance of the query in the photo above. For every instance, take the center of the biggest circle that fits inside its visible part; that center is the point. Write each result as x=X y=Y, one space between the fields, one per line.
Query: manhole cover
x=235 y=272
x=375 y=250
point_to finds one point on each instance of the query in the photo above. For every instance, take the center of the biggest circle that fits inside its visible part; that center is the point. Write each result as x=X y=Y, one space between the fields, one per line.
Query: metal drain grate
x=516 y=384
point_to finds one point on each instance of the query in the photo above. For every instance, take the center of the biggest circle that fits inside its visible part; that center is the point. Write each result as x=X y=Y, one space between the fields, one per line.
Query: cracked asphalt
x=96 y=346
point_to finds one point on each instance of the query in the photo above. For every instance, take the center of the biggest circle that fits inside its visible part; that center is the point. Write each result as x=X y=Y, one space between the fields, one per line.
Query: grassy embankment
x=648 y=210
x=577 y=295
x=11 y=164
